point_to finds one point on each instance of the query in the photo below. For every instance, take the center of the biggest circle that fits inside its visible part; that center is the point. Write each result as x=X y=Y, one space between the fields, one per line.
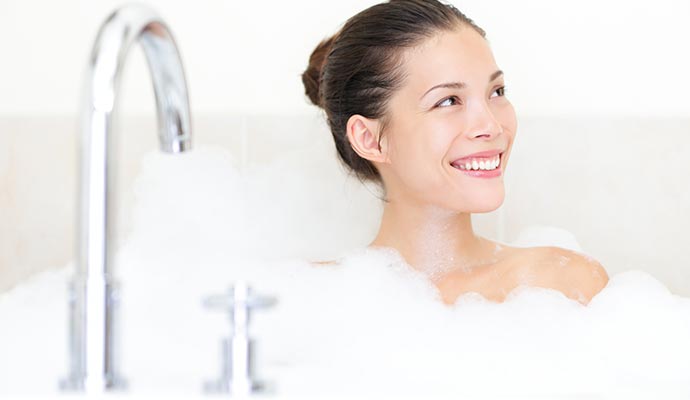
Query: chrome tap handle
x=239 y=302
x=237 y=373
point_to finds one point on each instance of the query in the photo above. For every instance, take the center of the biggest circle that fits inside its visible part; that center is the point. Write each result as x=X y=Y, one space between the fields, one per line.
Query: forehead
x=458 y=55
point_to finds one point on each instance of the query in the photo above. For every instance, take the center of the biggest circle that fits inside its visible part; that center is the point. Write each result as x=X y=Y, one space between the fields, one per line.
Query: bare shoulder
x=577 y=275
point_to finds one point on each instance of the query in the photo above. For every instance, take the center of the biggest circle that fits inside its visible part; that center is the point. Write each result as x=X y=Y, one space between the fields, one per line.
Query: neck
x=430 y=239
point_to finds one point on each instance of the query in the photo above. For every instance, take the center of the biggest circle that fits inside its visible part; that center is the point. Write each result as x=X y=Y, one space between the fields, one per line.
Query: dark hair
x=357 y=70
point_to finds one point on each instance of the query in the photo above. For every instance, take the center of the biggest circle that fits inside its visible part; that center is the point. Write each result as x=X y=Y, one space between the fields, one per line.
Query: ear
x=363 y=134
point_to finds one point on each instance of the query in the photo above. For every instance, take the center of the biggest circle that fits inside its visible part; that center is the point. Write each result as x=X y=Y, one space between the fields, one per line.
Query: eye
x=448 y=101
x=500 y=91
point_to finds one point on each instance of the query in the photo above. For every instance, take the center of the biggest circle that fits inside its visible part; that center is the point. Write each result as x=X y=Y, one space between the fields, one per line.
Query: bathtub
x=255 y=199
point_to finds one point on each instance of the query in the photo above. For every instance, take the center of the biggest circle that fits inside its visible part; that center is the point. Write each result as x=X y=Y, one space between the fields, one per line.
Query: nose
x=484 y=123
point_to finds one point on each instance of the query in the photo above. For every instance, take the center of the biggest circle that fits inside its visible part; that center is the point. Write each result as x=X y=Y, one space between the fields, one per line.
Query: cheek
x=508 y=121
x=408 y=159
x=420 y=149
x=507 y=118
x=444 y=132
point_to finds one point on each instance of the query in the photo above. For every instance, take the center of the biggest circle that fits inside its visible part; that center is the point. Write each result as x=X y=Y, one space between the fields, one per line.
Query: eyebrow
x=459 y=85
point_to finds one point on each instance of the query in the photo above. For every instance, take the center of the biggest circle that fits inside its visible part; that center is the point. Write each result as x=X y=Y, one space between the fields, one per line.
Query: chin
x=478 y=204
x=491 y=202
x=486 y=207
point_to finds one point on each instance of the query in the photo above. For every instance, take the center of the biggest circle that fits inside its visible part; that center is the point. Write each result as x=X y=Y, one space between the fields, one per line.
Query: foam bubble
x=368 y=325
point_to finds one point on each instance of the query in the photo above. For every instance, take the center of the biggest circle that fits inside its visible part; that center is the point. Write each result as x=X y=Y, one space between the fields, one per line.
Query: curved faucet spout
x=93 y=322
x=124 y=27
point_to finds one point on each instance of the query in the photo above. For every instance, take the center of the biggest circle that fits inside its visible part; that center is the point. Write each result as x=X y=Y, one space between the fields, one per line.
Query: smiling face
x=449 y=128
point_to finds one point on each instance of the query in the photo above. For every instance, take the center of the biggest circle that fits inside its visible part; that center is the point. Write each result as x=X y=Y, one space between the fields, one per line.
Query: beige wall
x=619 y=185
x=569 y=58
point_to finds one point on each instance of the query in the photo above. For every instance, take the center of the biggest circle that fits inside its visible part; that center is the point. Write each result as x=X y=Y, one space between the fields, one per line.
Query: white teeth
x=483 y=164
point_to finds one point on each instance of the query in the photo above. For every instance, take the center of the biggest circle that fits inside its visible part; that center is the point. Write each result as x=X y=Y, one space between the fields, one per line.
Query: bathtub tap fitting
x=238 y=363
x=93 y=289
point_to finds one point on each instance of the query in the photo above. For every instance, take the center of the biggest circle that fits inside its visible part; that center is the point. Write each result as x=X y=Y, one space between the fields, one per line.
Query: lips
x=479 y=160
x=484 y=164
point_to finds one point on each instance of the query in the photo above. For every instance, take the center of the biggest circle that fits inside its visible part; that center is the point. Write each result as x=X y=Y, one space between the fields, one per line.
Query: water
x=370 y=325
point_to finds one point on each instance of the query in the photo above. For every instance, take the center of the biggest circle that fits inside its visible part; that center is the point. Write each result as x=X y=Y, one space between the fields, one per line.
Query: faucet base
x=223 y=386
x=72 y=384
x=116 y=384
x=76 y=384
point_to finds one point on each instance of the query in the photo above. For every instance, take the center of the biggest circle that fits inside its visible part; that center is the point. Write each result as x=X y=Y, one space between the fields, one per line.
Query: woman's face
x=450 y=107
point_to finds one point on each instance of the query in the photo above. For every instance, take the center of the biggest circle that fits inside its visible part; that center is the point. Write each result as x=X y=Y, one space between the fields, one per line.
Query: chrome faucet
x=94 y=290
x=238 y=351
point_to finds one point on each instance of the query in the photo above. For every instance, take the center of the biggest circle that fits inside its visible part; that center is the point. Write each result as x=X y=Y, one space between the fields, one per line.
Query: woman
x=416 y=102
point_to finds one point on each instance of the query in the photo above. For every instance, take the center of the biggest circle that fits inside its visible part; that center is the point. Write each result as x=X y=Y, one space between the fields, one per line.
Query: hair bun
x=311 y=78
